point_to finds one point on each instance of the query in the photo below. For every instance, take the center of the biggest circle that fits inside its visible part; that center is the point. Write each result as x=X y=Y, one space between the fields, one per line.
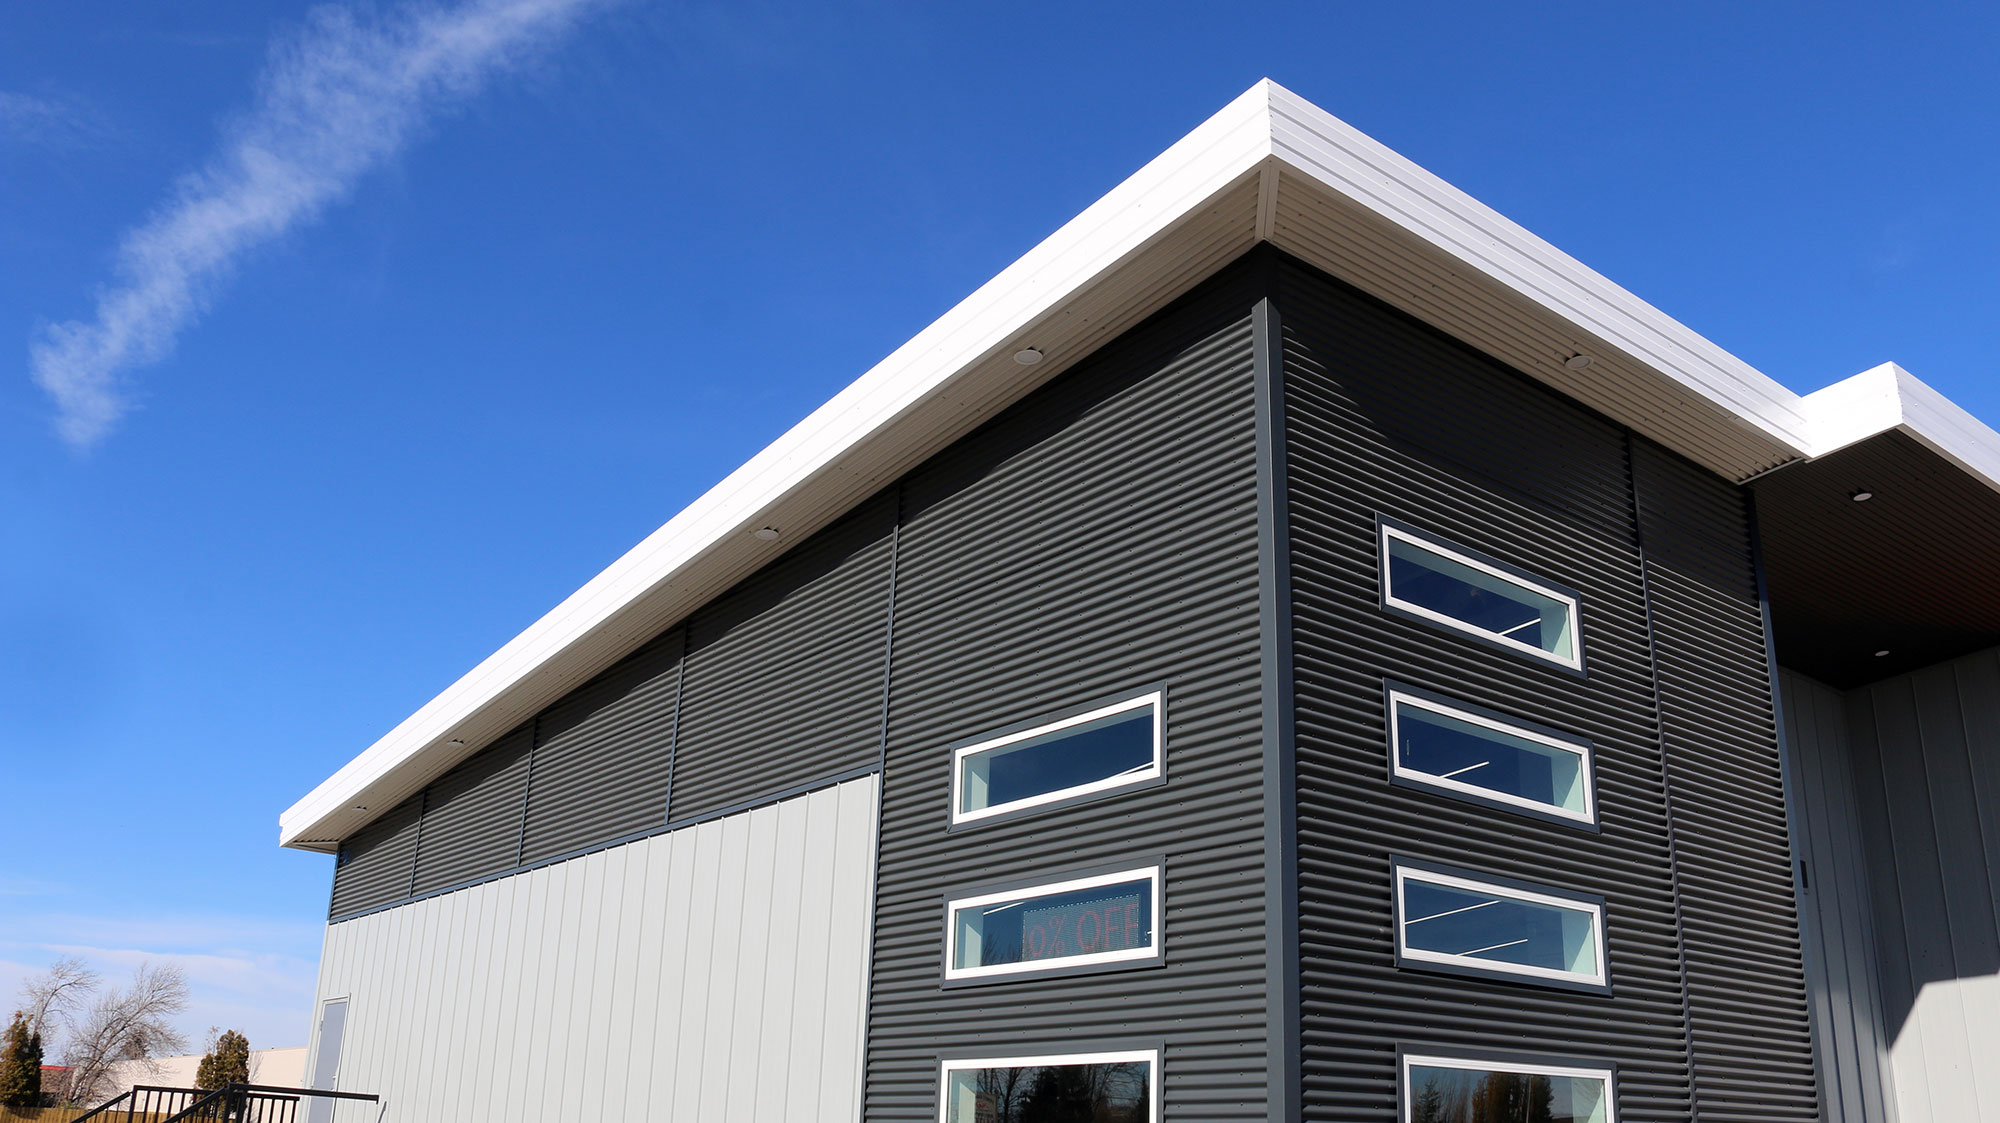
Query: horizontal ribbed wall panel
x=472 y=814
x=375 y=864
x=1750 y=1020
x=784 y=674
x=1098 y=539
x=1385 y=417
x=602 y=754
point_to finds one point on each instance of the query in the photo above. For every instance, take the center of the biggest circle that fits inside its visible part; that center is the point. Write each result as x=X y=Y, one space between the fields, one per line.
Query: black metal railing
x=233 y=1103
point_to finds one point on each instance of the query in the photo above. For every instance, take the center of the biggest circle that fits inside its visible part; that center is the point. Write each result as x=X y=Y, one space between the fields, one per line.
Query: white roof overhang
x=1269 y=167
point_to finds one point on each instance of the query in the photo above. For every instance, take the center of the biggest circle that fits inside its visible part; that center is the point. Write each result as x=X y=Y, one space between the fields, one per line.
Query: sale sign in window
x=1088 y=920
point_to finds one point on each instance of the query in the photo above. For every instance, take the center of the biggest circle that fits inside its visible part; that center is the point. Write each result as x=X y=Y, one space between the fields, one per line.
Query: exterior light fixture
x=1862 y=495
x=458 y=740
x=766 y=533
x=1028 y=356
x=1579 y=361
x=1881 y=653
x=361 y=807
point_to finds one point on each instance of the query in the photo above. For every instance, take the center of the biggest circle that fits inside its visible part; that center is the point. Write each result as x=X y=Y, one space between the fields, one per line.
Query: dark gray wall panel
x=1839 y=926
x=472 y=814
x=1097 y=539
x=1926 y=749
x=784 y=674
x=375 y=864
x=1387 y=418
x=602 y=754
x=1750 y=1021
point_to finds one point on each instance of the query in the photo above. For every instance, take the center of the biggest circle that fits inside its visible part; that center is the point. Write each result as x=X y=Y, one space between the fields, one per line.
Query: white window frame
x=1151 y=951
x=1405 y=874
x=1390 y=532
x=1581 y=749
x=1150 y=1056
x=1473 y=1064
x=1156 y=699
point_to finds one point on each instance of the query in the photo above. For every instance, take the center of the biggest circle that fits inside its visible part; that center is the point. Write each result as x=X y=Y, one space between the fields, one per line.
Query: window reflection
x=1114 y=1092
x=1470 y=1095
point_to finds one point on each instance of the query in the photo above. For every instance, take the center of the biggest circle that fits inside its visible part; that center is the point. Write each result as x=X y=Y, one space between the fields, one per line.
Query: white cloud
x=337 y=99
x=44 y=120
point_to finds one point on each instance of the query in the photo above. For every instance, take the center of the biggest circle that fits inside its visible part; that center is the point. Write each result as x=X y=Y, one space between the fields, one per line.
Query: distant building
x=284 y=1068
x=1294 y=645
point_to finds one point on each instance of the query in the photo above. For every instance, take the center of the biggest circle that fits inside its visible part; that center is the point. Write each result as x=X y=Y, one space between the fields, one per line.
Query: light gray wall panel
x=1926 y=756
x=636 y=982
x=1839 y=922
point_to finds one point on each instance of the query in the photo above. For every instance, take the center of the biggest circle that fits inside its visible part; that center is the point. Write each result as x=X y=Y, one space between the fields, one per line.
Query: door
x=326 y=1060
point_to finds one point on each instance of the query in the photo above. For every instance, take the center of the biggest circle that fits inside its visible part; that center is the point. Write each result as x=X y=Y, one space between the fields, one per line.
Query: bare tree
x=133 y=1024
x=51 y=998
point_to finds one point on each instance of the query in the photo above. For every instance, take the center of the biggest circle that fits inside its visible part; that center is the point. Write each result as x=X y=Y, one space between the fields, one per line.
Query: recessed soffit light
x=1028 y=356
x=1881 y=653
x=1861 y=495
x=1579 y=361
x=361 y=807
x=458 y=740
x=765 y=533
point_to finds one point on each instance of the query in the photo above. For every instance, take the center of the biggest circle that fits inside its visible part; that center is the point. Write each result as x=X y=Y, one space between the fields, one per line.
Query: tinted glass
x=1104 y=918
x=1094 y=751
x=1472 y=596
x=1087 y=1093
x=1454 y=749
x=1459 y=1095
x=1472 y=924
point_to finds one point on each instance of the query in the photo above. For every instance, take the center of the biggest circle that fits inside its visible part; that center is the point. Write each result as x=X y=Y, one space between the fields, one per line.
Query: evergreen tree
x=21 y=1065
x=227 y=1062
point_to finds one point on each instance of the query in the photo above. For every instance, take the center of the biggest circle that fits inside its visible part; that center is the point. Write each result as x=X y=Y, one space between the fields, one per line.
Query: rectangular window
x=1457 y=1090
x=1103 y=919
x=1434 y=582
x=1453 y=921
x=1475 y=754
x=1108 y=747
x=1079 y=1088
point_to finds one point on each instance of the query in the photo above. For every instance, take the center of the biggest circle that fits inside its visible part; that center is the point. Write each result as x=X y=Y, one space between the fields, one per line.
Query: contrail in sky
x=338 y=98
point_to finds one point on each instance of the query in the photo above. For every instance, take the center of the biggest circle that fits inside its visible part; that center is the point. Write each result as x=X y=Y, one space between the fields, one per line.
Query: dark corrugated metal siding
x=603 y=754
x=784 y=675
x=375 y=862
x=1098 y=538
x=1386 y=417
x=1749 y=1016
x=472 y=814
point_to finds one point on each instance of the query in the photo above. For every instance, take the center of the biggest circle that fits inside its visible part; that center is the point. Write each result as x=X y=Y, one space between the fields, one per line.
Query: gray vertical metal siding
x=712 y=973
x=602 y=755
x=784 y=675
x=375 y=864
x=472 y=815
x=1847 y=1005
x=1099 y=538
x=1749 y=1017
x=1386 y=417
x=1926 y=752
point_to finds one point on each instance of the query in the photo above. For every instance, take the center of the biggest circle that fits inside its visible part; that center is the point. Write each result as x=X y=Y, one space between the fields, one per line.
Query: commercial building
x=1294 y=645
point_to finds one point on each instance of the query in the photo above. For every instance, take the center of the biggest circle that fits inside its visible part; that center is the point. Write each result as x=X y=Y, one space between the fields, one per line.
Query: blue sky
x=520 y=313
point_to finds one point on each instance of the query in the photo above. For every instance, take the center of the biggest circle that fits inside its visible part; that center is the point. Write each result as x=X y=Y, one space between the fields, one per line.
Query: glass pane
x=1452 y=748
x=1472 y=596
x=1087 y=753
x=1117 y=1092
x=1468 y=1095
x=1095 y=921
x=1474 y=924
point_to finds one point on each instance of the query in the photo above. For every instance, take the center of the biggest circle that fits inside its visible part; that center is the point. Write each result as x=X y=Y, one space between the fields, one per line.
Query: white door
x=326 y=1061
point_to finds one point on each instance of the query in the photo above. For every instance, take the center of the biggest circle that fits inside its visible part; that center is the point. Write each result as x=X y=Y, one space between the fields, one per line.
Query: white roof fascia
x=1888 y=397
x=1222 y=150
x=931 y=387
x=1363 y=169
